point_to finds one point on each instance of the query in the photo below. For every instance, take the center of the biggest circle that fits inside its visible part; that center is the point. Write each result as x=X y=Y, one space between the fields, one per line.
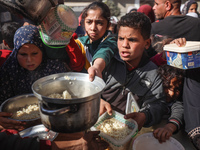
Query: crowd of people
x=126 y=52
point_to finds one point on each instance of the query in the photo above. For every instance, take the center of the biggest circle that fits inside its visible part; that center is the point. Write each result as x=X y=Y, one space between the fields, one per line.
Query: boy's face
x=131 y=45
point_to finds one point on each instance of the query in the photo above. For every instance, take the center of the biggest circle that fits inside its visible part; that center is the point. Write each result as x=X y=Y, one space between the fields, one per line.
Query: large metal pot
x=69 y=115
x=36 y=10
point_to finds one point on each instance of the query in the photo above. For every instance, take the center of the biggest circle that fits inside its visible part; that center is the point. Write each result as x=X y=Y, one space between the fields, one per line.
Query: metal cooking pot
x=15 y=103
x=36 y=10
x=69 y=115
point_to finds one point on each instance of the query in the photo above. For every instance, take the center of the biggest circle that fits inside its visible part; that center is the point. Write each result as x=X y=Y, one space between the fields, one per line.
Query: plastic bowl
x=148 y=142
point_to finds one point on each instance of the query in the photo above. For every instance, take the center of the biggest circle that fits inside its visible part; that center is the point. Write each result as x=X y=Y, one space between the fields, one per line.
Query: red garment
x=5 y=54
x=158 y=60
x=77 y=60
x=147 y=10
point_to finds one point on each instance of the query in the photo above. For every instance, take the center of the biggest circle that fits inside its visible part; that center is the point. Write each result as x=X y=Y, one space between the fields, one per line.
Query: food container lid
x=190 y=46
x=132 y=124
x=39 y=131
x=147 y=141
x=58 y=26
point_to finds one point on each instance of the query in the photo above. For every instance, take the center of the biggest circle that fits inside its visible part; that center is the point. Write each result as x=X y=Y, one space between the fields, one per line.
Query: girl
x=26 y=64
x=97 y=46
x=190 y=7
x=173 y=86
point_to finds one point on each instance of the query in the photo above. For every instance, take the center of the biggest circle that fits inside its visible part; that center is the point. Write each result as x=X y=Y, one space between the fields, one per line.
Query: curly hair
x=136 y=20
x=168 y=73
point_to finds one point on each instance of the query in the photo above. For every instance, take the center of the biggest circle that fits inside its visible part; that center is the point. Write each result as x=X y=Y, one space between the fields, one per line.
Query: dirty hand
x=180 y=42
x=164 y=133
x=92 y=141
x=139 y=117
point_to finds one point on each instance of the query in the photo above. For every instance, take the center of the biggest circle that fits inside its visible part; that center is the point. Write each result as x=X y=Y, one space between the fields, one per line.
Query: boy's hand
x=164 y=133
x=96 y=69
x=139 y=117
x=105 y=106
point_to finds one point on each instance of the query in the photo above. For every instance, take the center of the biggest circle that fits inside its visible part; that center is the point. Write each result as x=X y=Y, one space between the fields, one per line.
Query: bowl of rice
x=116 y=130
x=24 y=108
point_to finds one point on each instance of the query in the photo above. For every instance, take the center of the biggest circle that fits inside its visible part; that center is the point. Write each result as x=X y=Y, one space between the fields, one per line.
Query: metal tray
x=39 y=131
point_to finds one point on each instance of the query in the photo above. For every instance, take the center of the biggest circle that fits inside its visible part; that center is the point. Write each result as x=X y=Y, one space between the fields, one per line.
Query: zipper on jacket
x=123 y=90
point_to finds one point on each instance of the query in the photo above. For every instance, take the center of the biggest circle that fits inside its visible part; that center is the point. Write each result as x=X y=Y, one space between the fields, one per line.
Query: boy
x=131 y=71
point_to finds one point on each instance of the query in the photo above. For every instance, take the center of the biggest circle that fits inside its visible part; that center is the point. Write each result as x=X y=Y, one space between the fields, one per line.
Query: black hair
x=8 y=32
x=158 y=42
x=168 y=73
x=95 y=5
x=138 y=21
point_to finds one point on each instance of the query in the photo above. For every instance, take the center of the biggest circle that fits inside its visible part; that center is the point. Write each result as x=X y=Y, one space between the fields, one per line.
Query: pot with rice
x=24 y=108
x=79 y=111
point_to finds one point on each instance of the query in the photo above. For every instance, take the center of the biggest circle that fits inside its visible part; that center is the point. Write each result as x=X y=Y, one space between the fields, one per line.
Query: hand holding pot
x=7 y=123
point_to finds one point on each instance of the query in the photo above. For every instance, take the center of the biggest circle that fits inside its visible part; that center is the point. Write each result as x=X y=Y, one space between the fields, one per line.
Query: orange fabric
x=87 y=63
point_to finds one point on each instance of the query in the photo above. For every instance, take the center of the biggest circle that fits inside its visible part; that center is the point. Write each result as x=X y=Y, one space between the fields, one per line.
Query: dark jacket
x=144 y=83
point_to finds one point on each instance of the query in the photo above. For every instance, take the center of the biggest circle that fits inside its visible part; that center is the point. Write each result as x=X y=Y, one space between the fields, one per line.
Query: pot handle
x=54 y=112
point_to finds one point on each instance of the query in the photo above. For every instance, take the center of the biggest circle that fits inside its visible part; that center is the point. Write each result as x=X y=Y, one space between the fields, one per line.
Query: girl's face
x=193 y=8
x=173 y=92
x=95 y=24
x=29 y=56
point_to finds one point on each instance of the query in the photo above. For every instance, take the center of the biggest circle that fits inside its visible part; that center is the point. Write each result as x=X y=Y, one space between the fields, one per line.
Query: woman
x=26 y=64
x=190 y=7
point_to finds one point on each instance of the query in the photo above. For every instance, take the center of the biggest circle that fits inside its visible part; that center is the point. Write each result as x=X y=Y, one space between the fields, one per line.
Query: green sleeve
x=106 y=50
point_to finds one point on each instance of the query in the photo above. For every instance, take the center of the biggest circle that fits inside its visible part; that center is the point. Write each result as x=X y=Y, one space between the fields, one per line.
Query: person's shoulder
x=151 y=65
x=83 y=39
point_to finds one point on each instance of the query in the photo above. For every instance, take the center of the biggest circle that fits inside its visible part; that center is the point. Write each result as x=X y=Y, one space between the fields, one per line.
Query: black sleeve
x=15 y=142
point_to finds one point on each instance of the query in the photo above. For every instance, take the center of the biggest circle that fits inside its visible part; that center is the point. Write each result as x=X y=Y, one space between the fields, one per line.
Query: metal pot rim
x=16 y=98
x=61 y=76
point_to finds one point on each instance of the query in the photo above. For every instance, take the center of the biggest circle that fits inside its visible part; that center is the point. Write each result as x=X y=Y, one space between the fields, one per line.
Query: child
x=173 y=86
x=157 y=43
x=26 y=64
x=97 y=47
x=131 y=71
x=8 y=32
